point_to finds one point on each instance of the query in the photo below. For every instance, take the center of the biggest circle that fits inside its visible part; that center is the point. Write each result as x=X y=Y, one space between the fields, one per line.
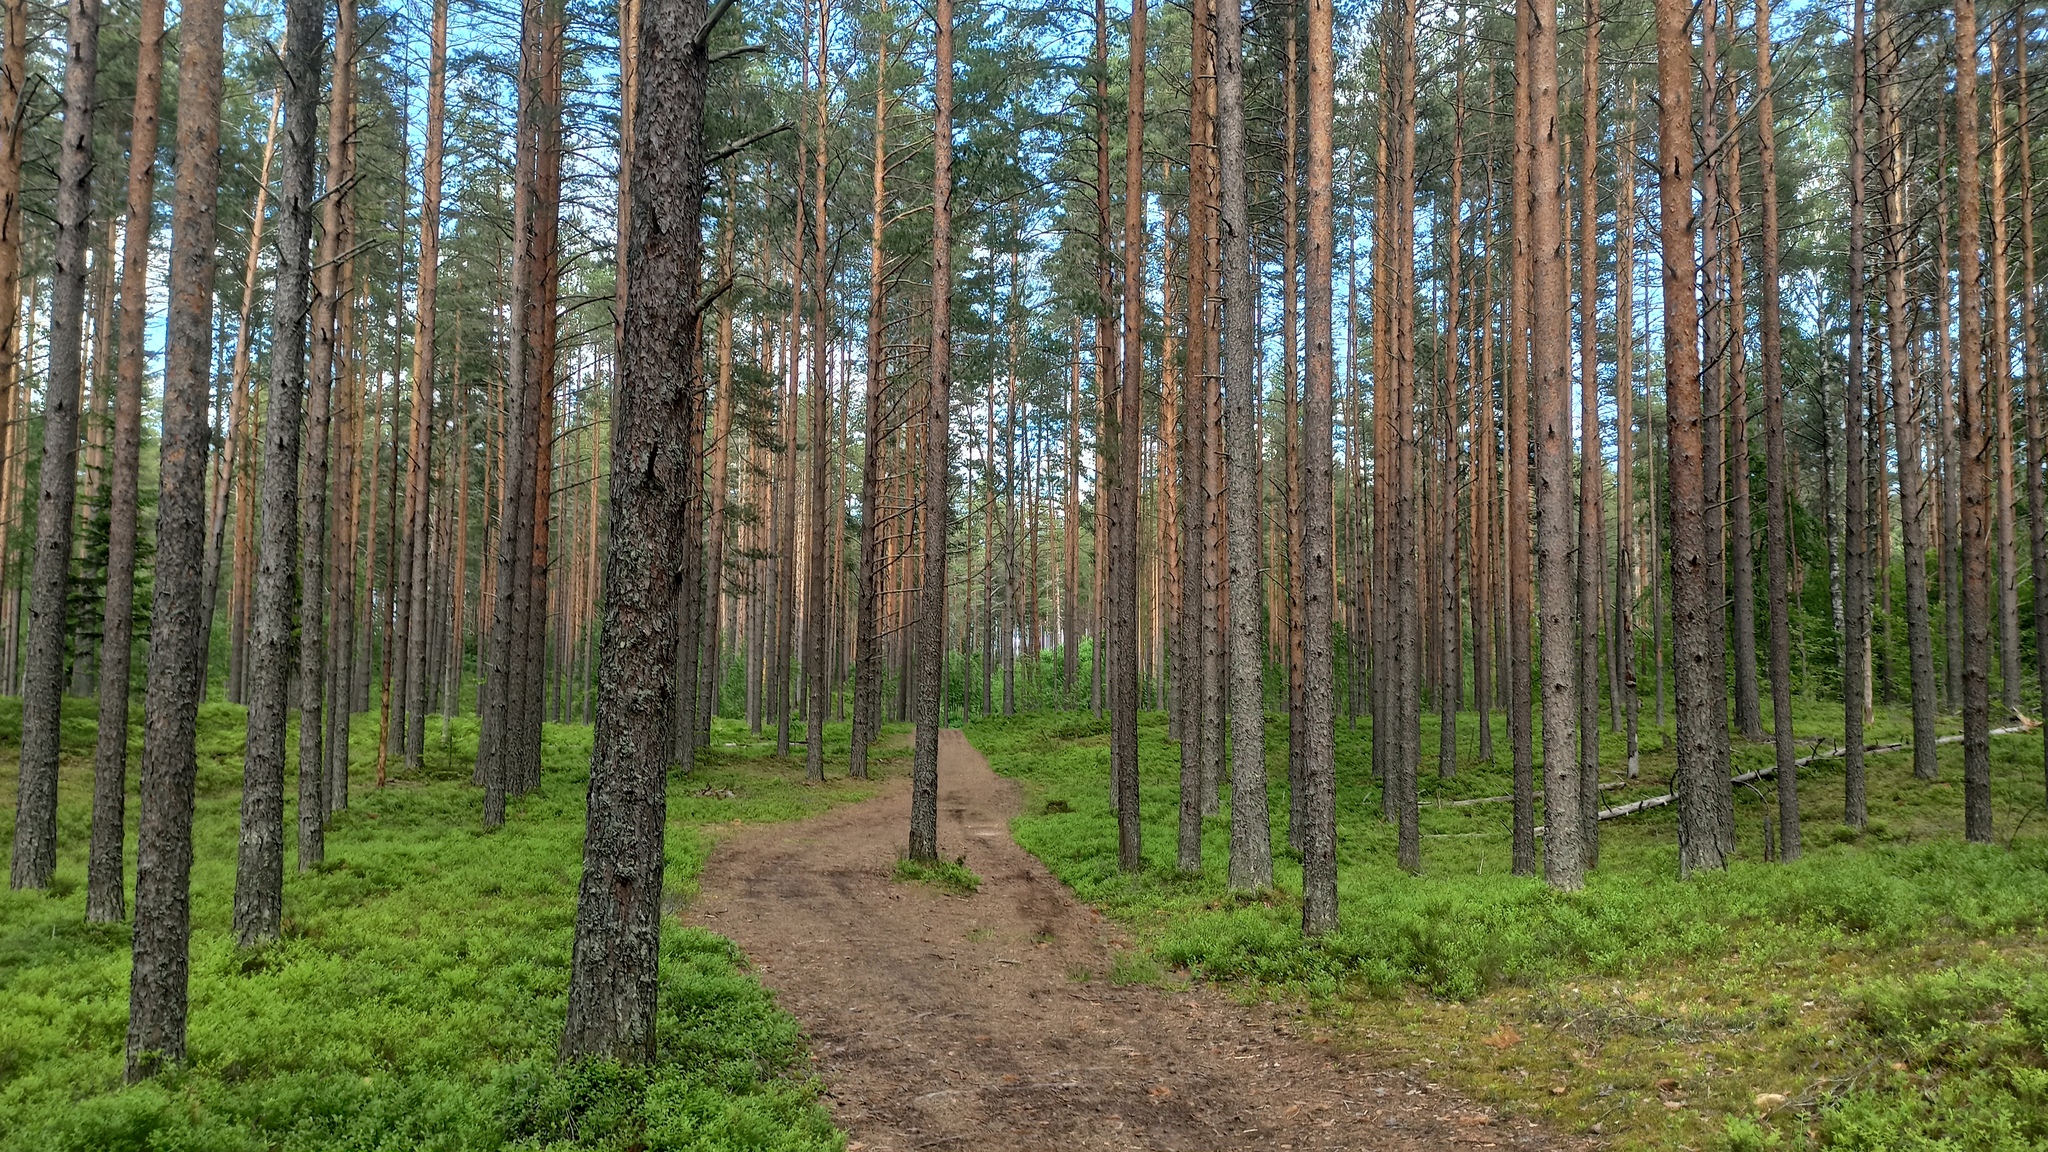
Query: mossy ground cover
x=1887 y=991
x=417 y=996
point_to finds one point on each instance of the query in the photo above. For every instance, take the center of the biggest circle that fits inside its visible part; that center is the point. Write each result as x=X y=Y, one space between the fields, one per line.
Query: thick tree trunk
x=1251 y=850
x=1777 y=493
x=177 y=653
x=1856 y=510
x=105 y=892
x=1973 y=420
x=42 y=693
x=1702 y=717
x=1564 y=864
x=1319 y=832
x=931 y=621
x=259 y=859
x=613 y=976
x=1129 y=445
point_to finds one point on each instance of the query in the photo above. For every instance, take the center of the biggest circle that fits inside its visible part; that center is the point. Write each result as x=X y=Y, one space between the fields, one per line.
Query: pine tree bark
x=1973 y=426
x=1521 y=721
x=1856 y=510
x=1129 y=444
x=177 y=652
x=867 y=649
x=1998 y=383
x=614 y=976
x=105 y=892
x=416 y=624
x=1623 y=677
x=1906 y=413
x=817 y=617
x=1777 y=493
x=1702 y=719
x=931 y=620
x=259 y=858
x=42 y=693
x=13 y=113
x=1592 y=461
x=1564 y=864
x=1251 y=850
x=1319 y=833
x=2037 y=392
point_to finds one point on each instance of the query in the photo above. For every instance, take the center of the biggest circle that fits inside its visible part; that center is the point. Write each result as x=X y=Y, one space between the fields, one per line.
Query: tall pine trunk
x=1777 y=484
x=42 y=692
x=931 y=618
x=1251 y=851
x=614 y=977
x=259 y=859
x=1319 y=831
x=177 y=651
x=1128 y=423
x=1973 y=423
x=1702 y=718
x=104 y=881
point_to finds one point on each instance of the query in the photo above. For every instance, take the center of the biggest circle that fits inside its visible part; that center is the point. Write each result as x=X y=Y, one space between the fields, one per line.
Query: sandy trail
x=989 y=1022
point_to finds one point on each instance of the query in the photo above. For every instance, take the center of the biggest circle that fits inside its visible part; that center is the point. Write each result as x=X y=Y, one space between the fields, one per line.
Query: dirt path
x=947 y=1022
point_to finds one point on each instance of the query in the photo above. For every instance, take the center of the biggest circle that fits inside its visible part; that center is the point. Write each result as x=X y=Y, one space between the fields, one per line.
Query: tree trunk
x=413 y=568
x=105 y=893
x=1521 y=722
x=232 y=473
x=1702 y=719
x=613 y=977
x=170 y=762
x=867 y=654
x=1251 y=852
x=2037 y=393
x=1973 y=421
x=1550 y=364
x=1998 y=383
x=1128 y=443
x=1856 y=510
x=1592 y=461
x=817 y=617
x=931 y=621
x=42 y=693
x=1319 y=833
x=259 y=860
x=1905 y=406
x=1622 y=678
x=1777 y=494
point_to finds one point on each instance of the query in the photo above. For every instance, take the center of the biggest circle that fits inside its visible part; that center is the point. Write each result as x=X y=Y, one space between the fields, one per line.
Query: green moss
x=416 y=998
x=1437 y=964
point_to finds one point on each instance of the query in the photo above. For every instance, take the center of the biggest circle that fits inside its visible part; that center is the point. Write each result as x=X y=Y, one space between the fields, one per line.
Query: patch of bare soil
x=989 y=1021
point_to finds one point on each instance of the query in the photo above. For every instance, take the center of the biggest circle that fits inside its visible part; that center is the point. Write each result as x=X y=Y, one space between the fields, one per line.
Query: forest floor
x=994 y=1011
x=417 y=996
x=1888 y=991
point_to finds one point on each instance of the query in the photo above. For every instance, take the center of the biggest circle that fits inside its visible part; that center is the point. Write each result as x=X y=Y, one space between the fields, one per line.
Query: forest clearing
x=838 y=574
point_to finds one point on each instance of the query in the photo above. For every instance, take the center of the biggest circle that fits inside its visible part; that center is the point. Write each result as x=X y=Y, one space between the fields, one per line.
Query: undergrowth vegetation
x=417 y=996
x=1740 y=1007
